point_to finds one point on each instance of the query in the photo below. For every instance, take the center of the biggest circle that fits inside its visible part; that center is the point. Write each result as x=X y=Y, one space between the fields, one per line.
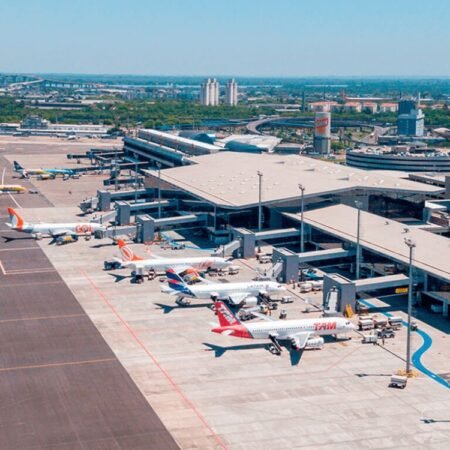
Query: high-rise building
x=231 y=93
x=209 y=92
x=410 y=120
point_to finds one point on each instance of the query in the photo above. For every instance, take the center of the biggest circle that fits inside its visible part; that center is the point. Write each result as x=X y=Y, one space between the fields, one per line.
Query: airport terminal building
x=243 y=199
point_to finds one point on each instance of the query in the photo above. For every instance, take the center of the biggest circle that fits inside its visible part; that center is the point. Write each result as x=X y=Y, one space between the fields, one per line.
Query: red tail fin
x=16 y=220
x=225 y=316
x=127 y=253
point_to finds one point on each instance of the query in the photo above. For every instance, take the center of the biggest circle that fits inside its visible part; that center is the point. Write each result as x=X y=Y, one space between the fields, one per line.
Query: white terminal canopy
x=230 y=180
x=384 y=236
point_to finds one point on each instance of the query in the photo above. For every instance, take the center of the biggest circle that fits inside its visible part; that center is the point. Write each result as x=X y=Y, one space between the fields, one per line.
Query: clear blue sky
x=226 y=37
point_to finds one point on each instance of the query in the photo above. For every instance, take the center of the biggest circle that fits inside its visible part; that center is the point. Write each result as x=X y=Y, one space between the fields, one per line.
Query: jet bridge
x=125 y=209
x=106 y=197
x=347 y=289
x=326 y=254
x=388 y=281
x=146 y=225
x=249 y=238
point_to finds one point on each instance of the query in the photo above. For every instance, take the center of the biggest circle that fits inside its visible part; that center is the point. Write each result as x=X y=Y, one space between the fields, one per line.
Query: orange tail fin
x=127 y=253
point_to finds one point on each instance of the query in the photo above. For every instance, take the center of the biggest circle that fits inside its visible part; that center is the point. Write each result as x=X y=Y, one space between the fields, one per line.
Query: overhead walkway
x=388 y=281
x=321 y=255
x=277 y=234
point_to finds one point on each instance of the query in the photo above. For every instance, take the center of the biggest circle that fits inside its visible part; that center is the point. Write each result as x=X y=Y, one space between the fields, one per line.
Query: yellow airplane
x=16 y=188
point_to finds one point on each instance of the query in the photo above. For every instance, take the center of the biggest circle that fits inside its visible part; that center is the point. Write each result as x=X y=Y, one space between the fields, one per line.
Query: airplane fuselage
x=12 y=188
x=227 y=289
x=162 y=264
x=321 y=327
x=56 y=228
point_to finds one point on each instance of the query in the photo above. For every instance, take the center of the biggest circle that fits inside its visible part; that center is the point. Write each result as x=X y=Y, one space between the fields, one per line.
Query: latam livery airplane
x=37 y=230
x=240 y=293
x=298 y=332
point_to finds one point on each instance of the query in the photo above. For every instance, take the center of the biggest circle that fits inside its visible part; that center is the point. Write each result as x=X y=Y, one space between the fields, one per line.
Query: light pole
x=411 y=244
x=136 y=183
x=358 y=205
x=302 y=210
x=260 y=175
x=158 y=165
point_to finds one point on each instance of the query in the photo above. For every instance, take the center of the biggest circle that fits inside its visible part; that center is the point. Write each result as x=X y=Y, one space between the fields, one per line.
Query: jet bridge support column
x=248 y=241
x=104 y=200
x=123 y=213
x=145 y=228
x=290 y=263
x=346 y=291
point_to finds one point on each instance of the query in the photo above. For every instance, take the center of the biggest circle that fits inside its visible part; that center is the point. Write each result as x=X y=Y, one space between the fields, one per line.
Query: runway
x=61 y=385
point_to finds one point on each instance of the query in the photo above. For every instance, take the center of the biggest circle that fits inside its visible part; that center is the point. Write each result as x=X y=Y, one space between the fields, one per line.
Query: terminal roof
x=229 y=179
x=385 y=237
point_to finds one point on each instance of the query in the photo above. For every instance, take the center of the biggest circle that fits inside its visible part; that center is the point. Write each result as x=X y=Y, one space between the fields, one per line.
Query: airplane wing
x=259 y=315
x=62 y=232
x=300 y=339
x=238 y=297
x=185 y=270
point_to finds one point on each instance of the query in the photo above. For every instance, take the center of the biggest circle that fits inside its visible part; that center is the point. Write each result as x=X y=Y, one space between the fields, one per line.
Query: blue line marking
x=416 y=357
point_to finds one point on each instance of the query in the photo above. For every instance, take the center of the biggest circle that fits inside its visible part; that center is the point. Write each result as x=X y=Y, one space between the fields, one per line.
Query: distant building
x=34 y=122
x=407 y=158
x=322 y=133
x=372 y=107
x=352 y=107
x=209 y=92
x=38 y=126
x=388 y=107
x=323 y=106
x=410 y=121
x=231 y=93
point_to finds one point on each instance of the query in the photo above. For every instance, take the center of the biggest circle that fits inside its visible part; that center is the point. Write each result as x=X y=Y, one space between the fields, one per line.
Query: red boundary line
x=155 y=361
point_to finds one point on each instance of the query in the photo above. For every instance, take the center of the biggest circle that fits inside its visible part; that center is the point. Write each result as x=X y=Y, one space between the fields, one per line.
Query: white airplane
x=15 y=188
x=38 y=230
x=26 y=173
x=241 y=293
x=140 y=265
x=300 y=332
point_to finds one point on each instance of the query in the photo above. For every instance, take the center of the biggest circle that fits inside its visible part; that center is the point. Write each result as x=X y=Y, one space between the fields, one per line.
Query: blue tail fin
x=17 y=166
x=176 y=282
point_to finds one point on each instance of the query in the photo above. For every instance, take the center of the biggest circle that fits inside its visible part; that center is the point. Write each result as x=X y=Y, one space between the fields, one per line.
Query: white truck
x=366 y=323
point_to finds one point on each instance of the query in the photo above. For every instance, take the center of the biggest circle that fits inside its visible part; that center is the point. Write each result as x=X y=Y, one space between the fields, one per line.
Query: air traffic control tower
x=322 y=133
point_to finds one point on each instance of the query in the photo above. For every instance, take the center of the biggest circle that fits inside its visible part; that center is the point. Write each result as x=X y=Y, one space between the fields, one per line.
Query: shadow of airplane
x=428 y=421
x=119 y=278
x=361 y=375
x=294 y=355
x=219 y=351
x=23 y=238
x=169 y=308
x=109 y=244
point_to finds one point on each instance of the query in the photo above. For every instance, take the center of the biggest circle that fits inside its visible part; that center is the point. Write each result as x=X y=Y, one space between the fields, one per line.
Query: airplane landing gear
x=274 y=350
x=180 y=301
x=138 y=279
x=275 y=347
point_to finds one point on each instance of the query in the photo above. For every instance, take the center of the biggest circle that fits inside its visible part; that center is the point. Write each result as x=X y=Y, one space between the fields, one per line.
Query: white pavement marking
x=15 y=201
x=3 y=176
x=18 y=249
x=25 y=271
